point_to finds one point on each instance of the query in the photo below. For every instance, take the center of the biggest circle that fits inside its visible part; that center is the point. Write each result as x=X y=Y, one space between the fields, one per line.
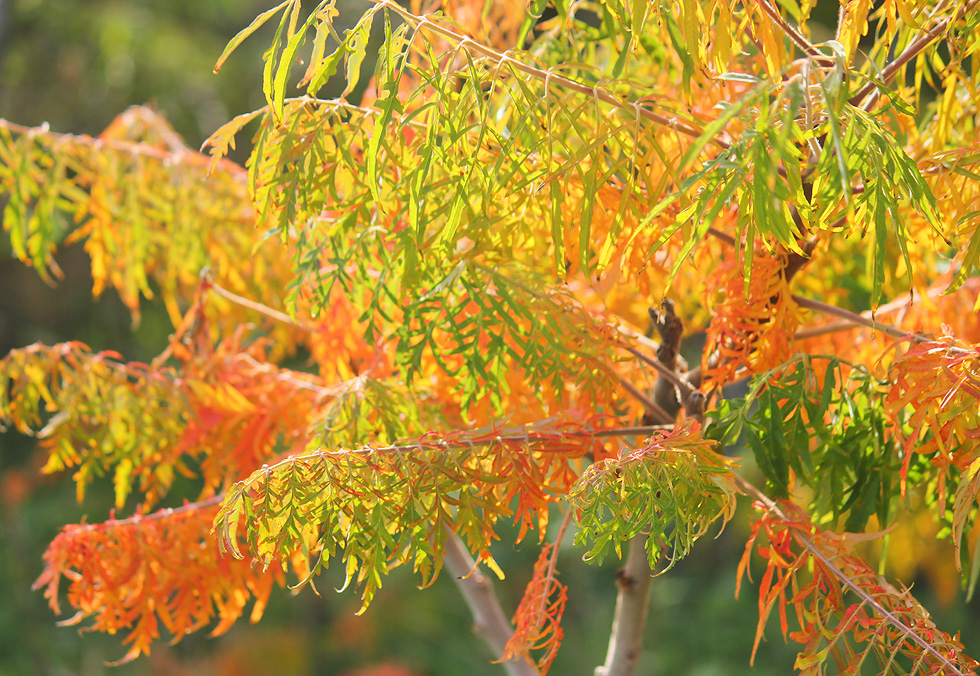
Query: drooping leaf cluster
x=754 y=320
x=673 y=488
x=217 y=417
x=938 y=384
x=848 y=616
x=138 y=574
x=538 y=617
x=819 y=424
x=139 y=199
x=376 y=507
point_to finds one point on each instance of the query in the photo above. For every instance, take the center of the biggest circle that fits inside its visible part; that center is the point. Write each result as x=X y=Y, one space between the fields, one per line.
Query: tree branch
x=490 y=623
x=637 y=335
x=869 y=94
x=664 y=372
x=483 y=437
x=824 y=330
x=634 y=580
x=183 y=154
x=794 y=35
x=861 y=320
x=721 y=236
x=834 y=327
x=649 y=405
x=269 y=312
x=853 y=317
x=160 y=514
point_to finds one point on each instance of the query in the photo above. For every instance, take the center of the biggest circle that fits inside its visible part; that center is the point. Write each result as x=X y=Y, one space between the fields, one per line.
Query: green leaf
x=287 y=59
x=971 y=255
x=356 y=47
x=248 y=30
x=269 y=71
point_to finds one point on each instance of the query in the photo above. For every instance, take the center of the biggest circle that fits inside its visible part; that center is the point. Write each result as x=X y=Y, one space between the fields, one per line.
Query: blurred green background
x=76 y=64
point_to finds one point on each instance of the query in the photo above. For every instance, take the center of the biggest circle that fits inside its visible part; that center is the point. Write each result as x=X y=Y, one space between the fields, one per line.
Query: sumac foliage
x=461 y=256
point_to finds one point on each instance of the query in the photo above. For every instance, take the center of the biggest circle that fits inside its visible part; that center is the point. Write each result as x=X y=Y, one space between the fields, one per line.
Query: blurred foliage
x=77 y=63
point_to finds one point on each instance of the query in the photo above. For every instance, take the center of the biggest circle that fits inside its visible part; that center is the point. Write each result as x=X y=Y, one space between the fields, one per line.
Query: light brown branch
x=634 y=580
x=835 y=327
x=823 y=330
x=861 y=320
x=637 y=335
x=864 y=319
x=528 y=433
x=490 y=623
x=854 y=318
x=649 y=405
x=721 y=236
x=259 y=308
x=183 y=155
x=213 y=501
x=632 y=431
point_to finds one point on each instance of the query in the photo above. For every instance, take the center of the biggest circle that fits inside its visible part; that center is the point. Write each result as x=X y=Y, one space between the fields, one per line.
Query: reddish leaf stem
x=133 y=148
x=527 y=434
x=794 y=35
x=553 y=561
x=159 y=514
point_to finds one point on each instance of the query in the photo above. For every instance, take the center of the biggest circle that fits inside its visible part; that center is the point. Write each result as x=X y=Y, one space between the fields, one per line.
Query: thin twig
x=649 y=405
x=158 y=515
x=824 y=329
x=855 y=318
x=529 y=433
x=665 y=372
x=631 y=431
x=553 y=559
x=835 y=327
x=638 y=336
x=182 y=155
x=336 y=389
x=490 y=623
x=269 y=312
x=794 y=35
x=721 y=236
